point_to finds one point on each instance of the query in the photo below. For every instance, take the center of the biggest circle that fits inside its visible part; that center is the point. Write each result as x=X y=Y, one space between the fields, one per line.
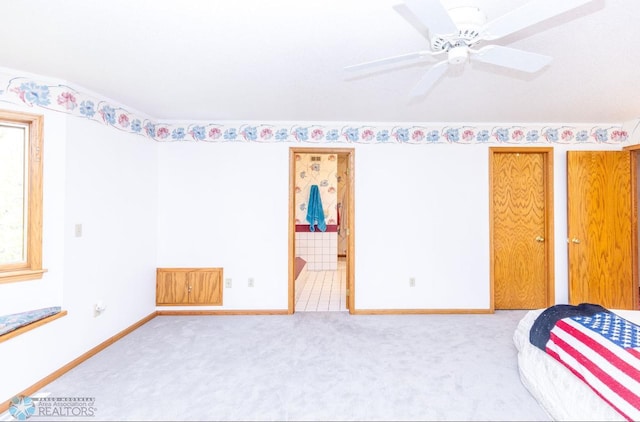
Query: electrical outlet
x=251 y=282
x=412 y=282
x=227 y=283
x=78 y=230
x=99 y=308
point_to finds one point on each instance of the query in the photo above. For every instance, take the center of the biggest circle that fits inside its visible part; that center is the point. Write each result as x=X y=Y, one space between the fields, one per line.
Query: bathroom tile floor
x=321 y=291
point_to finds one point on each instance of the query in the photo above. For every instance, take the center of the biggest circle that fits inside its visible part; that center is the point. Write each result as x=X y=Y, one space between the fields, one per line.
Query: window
x=20 y=196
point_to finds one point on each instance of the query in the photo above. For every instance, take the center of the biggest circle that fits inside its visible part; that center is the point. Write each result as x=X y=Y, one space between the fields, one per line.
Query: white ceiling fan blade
x=529 y=14
x=404 y=11
x=511 y=58
x=429 y=79
x=433 y=15
x=389 y=60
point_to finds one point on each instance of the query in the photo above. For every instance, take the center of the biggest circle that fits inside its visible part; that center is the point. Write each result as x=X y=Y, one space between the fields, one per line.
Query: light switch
x=78 y=230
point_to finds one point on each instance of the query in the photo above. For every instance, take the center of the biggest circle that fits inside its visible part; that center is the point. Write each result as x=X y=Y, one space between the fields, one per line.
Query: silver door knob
x=539 y=239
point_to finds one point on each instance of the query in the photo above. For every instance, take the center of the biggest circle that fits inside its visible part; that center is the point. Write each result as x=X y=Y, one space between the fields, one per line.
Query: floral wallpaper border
x=64 y=99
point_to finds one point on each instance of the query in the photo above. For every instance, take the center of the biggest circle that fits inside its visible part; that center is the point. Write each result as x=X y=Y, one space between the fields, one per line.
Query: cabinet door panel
x=171 y=288
x=206 y=287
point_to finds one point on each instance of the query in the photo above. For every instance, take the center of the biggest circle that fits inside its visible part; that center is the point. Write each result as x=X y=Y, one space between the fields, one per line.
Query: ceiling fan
x=454 y=32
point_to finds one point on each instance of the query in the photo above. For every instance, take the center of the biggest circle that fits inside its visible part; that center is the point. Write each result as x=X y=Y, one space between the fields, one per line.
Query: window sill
x=31 y=326
x=22 y=275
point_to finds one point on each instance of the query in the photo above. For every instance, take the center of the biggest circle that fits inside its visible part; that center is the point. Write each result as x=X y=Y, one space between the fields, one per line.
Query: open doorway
x=321 y=255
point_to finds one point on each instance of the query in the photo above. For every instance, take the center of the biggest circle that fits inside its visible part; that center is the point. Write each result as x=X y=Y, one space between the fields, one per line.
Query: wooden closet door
x=600 y=228
x=520 y=253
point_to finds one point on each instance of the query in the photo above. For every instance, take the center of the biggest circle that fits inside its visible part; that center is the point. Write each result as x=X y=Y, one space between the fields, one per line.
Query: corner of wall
x=632 y=127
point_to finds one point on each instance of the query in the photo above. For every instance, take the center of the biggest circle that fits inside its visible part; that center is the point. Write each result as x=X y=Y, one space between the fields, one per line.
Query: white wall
x=112 y=192
x=421 y=211
x=105 y=180
x=226 y=205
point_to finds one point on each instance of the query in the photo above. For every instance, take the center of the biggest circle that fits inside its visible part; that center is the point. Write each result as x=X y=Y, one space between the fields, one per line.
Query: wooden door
x=346 y=216
x=522 y=244
x=600 y=225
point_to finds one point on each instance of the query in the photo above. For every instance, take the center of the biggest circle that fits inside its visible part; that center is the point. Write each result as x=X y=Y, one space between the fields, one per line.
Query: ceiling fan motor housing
x=468 y=20
x=458 y=55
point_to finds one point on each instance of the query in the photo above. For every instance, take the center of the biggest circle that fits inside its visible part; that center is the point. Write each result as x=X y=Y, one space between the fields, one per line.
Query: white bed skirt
x=563 y=395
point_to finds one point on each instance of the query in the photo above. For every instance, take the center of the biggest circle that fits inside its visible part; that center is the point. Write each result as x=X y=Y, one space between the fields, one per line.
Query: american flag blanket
x=599 y=347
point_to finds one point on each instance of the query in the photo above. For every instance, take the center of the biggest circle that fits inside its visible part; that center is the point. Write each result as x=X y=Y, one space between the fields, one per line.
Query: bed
x=563 y=395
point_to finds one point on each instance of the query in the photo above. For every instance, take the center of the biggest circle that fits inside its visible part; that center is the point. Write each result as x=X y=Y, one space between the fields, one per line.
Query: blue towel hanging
x=315 y=214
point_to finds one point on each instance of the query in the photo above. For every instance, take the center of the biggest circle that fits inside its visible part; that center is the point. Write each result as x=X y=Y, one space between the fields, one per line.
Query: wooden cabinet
x=189 y=286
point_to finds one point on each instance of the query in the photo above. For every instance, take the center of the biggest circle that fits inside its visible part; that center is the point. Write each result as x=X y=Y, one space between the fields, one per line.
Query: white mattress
x=563 y=395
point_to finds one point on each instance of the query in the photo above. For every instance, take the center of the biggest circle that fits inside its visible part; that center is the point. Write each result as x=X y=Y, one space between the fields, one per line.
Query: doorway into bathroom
x=321 y=254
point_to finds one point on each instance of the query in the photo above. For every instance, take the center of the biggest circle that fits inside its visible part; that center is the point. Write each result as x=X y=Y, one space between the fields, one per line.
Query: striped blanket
x=599 y=347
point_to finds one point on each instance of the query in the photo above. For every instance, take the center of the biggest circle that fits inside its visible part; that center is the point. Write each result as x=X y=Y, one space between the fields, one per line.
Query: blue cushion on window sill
x=12 y=322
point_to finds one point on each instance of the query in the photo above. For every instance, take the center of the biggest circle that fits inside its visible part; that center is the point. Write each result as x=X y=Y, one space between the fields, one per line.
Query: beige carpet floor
x=322 y=366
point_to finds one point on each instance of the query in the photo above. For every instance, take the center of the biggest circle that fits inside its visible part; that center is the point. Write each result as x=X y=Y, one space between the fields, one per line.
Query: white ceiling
x=283 y=60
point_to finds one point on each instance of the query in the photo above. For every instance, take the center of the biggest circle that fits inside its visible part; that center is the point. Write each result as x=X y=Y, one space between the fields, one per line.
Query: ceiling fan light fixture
x=458 y=55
